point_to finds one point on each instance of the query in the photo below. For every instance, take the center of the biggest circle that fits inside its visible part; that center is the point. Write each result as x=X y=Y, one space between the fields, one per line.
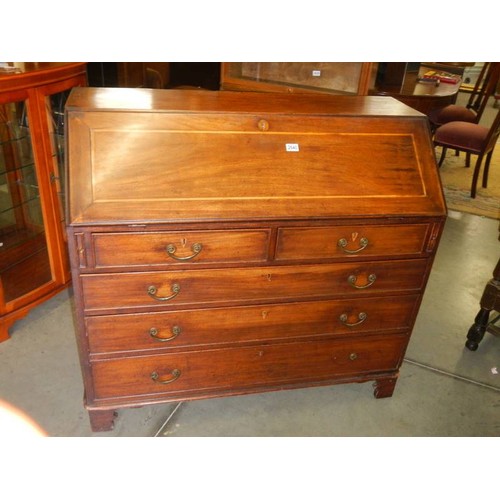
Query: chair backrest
x=484 y=88
x=494 y=132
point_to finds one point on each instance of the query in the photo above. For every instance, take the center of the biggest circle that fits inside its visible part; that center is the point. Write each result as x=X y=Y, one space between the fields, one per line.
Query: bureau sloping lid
x=201 y=155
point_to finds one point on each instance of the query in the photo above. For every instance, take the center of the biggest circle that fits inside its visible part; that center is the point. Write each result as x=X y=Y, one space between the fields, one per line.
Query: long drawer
x=184 y=374
x=335 y=242
x=146 y=249
x=152 y=290
x=180 y=329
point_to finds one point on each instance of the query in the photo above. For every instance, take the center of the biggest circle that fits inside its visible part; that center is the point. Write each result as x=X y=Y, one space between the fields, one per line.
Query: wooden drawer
x=192 y=373
x=334 y=242
x=180 y=329
x=148 y=249
x=153 y=290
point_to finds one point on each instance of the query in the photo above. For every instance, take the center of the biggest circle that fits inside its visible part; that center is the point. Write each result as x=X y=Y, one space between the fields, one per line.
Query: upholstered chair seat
x=452 y=113
x=461 y=134
x=472 y=139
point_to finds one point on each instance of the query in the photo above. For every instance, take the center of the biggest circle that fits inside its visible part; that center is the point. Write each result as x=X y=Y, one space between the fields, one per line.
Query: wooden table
x=421 y=96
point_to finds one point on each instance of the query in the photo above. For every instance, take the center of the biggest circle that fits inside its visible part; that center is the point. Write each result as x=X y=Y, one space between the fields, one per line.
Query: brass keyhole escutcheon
x=263 y=125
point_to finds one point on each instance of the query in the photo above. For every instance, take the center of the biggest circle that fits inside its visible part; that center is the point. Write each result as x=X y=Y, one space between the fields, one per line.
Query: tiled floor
x=443 y=390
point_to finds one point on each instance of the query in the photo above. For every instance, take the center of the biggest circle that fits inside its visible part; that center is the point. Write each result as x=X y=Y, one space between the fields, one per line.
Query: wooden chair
x=483 y=89
x=473 y=139
x=490 y=301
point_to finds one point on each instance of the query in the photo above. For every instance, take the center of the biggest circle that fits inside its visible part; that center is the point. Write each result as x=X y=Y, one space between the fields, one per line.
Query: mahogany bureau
x=225 y=243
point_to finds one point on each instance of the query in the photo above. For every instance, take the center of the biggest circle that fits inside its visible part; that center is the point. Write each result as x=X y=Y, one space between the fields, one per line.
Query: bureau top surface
x=193 y=101
x=139 y=155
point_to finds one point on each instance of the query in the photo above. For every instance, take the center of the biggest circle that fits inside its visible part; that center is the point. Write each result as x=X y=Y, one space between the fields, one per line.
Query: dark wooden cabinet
x=33 y=248
x=344 y=78
x=225 y=243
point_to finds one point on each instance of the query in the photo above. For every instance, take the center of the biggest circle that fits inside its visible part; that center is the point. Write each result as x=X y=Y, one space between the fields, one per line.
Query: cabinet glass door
x=333 y=77
x=55 y=119
x=24 y=257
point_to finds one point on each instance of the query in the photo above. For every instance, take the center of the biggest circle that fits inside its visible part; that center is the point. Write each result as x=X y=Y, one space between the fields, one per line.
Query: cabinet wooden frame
x=33 y=85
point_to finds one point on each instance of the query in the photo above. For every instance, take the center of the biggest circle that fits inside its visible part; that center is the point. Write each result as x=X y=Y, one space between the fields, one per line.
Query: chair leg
x=487 y=169
x=467 y=160
x=443 y=154
x=475 y=176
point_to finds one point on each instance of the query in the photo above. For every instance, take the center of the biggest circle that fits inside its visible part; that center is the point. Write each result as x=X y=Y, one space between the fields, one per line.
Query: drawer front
x=175 y=289
x=351 y=241
x=177 y=329
x=246 y=367
x=160 y=248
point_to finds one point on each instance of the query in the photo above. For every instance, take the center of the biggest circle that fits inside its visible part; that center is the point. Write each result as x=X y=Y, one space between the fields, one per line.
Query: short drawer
x=146 y=249
x=232 y=369
x=181 y=329
x=335 y=242
x=176 y=289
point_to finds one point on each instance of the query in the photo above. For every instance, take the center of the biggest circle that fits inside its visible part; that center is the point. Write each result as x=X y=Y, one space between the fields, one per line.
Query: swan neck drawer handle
x=352 y=281
x=195 y=247
x=175 y=374
x=342 y=243
x=152 y=291
x=176 y=330
x=361 y=316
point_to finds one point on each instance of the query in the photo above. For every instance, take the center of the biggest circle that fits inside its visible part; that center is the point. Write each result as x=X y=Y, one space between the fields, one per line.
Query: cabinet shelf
x=14 y=140
x=28 y=240
x=28 y=203
x=26 y=184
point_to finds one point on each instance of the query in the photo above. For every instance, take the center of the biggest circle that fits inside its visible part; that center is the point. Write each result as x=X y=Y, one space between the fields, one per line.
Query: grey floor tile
x=464 y=263
x=424 y=404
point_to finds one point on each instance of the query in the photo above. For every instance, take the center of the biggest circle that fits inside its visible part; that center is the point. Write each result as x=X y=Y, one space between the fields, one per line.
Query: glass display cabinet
x=348 y=78
x=33 y=255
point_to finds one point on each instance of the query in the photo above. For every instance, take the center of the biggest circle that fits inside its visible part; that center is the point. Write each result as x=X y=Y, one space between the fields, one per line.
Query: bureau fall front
x=226 y=243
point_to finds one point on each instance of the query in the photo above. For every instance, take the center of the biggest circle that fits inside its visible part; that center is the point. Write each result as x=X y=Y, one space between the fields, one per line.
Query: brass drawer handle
x=176 y=330
x=152 y=290
x=353 y=356
x=196 y=248
x=175 y=375
x=352 y=281
x=362 y=317
x=342 y=243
